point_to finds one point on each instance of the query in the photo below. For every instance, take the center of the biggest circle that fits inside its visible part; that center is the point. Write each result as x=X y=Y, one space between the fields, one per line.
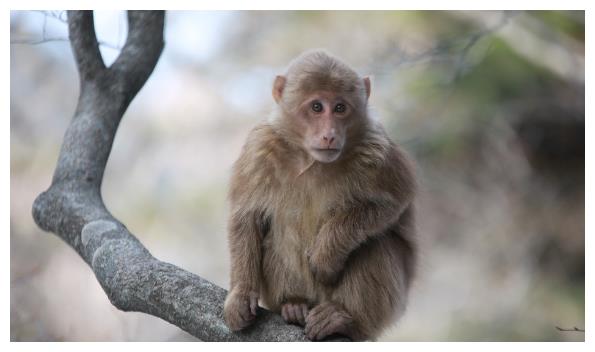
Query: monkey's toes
x=326 y=319
x=295 y=313
x=239 y=310
x=239 y=319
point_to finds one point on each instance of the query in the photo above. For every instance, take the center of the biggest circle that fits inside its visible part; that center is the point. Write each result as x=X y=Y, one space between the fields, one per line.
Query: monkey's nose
x=329 y=140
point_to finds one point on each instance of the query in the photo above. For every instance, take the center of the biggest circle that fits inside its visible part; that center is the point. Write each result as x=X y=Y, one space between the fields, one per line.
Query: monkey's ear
x=368 y=87
x=278 y=86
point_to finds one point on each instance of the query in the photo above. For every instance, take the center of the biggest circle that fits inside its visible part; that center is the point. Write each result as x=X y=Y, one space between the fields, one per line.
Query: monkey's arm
x=245 y=237
x=248 y=222
x=347 y=230
x=388 y=195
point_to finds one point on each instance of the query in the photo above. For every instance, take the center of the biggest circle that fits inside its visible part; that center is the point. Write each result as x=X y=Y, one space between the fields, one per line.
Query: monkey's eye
x=317 y=106
x=340 y=108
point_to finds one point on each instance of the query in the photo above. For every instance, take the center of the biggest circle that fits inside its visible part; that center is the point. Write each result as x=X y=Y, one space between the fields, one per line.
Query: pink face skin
x=322 y=119
x=324 y=116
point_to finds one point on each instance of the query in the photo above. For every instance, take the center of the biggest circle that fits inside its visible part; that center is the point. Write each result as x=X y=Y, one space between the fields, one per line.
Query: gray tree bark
x=73 y=208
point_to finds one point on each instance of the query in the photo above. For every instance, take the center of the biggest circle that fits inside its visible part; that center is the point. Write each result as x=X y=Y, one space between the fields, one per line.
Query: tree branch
x=73 y=209
x=84 y=44
x=141 y=51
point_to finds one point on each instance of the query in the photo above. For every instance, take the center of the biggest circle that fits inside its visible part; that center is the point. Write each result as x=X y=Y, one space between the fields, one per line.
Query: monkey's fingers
x=322 y=330
x=301 y=312
x=294 y=313
x=245 y=311
x=288 y=313
x=314 y=329
x=297 y=313
x=327 y=319
x=314 y=319
x=338 y=323
x=237 y=314
x=285 y=314
x=316 y=312
x=313 y=333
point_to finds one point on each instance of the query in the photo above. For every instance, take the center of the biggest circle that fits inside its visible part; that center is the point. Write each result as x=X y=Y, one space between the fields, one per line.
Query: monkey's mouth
x=325 y=155
x=327 y=150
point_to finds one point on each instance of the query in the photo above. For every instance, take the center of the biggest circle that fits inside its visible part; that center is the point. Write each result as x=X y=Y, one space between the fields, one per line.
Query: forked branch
x=73 y=209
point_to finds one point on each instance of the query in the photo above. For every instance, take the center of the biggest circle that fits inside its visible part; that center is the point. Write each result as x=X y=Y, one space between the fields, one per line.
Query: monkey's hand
x=326 y=266
x=327 y=319
x=240 y=307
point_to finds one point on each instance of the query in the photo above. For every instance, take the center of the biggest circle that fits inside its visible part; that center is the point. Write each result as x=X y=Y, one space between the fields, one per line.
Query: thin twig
x=475 y=38
x=573 y=329
x=454 y=51
x=58 y=39
x=57 y=15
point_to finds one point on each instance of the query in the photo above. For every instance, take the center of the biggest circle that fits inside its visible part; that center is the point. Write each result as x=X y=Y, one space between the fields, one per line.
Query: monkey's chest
x=297 y=222
x=294 y=227
x=299 y=211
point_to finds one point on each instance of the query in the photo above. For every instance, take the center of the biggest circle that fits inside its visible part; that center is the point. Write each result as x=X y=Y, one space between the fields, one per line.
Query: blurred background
x=489 y=103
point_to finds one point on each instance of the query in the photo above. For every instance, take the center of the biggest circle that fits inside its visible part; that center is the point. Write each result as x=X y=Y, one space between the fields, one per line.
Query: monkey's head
x=323 y=103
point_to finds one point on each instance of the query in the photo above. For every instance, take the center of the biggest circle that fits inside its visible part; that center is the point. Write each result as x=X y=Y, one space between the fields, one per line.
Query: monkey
x=321 y=227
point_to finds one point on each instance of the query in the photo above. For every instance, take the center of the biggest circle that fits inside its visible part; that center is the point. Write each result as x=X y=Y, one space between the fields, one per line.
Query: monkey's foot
x=239 y=309
x=326 y=319
x=295 y=313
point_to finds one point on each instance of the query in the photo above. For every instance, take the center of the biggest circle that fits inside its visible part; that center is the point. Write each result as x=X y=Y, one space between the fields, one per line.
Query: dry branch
x=73 y=208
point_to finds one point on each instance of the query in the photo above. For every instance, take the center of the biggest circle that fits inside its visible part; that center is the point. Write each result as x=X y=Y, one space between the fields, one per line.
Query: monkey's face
x=323 y=103
x=323 y=118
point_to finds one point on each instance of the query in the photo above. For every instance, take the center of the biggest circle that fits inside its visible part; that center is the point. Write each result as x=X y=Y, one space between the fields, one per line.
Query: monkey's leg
x=372 y=291
x=295 y=312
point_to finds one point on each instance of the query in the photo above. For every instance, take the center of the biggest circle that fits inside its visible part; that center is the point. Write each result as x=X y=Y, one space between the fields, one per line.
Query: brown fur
x=329 y=245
